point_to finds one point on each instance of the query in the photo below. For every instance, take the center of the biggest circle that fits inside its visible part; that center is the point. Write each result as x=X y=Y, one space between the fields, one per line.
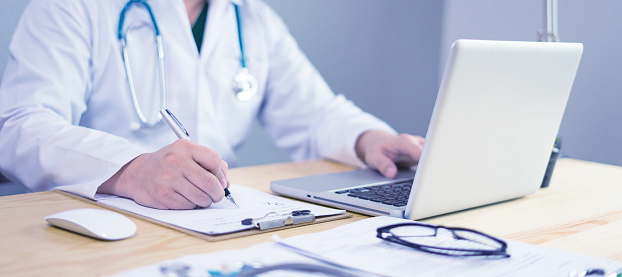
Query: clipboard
x=208 y=237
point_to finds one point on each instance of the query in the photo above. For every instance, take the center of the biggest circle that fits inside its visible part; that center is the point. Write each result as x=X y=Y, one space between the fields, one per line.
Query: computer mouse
x=96 y=223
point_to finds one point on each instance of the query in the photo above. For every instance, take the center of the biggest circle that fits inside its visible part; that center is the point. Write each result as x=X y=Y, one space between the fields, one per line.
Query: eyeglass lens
x=446 y=238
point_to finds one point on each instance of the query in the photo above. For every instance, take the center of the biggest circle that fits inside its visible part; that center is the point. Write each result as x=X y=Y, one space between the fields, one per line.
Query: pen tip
x=232 y=200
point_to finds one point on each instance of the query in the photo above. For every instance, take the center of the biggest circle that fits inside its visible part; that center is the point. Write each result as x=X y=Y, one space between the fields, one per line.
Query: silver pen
x=182 y=133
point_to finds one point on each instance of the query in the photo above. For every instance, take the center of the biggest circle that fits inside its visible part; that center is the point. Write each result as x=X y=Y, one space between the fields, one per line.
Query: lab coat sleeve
x=300 y=111
x=44 y=91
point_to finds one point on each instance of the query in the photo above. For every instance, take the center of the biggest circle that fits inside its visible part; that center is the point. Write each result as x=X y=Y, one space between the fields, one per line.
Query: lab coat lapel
x=220 y=17
x=220 y=20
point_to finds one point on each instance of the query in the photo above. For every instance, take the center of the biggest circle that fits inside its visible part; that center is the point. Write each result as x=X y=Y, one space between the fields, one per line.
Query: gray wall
x=592 y=125
x=10 y=11
x=385 y=56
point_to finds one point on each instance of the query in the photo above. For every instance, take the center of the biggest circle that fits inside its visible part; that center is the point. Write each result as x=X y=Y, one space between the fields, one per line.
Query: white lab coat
x=66 y=116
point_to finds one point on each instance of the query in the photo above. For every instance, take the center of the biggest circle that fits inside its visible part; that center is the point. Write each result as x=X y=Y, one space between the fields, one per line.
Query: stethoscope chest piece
x=244 y=85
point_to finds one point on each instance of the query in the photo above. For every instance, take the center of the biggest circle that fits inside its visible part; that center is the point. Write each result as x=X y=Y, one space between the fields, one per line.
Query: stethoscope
x=244 y=84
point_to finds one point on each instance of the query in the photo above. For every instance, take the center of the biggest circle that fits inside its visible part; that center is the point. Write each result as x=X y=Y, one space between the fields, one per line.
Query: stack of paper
x=355 y=245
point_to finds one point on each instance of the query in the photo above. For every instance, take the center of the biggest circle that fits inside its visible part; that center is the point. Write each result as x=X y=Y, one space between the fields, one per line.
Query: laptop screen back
x=494 y=124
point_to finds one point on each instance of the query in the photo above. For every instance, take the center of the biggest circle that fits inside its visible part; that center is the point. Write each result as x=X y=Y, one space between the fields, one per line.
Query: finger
x=177 y=201
x=382 y=163
x=209 y=160
x=411 y=146
x=166 y=199
x=390 y=170
x=420 y=140
x=225 y=169
x=194 y=194
x=204 y=170
x=208 y=188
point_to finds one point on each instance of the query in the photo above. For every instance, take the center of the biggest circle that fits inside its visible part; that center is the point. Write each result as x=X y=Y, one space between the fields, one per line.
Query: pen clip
x=275 y=219
x=175 y=124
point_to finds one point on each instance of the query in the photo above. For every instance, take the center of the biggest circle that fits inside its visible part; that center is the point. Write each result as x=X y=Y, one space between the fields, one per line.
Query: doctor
x=68 y=115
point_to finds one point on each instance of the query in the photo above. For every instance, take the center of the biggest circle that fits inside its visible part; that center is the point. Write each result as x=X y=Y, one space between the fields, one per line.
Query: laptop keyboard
x=395 y=194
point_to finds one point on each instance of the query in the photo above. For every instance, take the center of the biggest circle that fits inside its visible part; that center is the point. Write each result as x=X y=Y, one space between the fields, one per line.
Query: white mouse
x=96 y=223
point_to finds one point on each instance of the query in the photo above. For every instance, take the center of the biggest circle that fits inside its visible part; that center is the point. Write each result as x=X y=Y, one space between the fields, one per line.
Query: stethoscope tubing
x=240 y=38
x=120 y=34
x=158 y=39
x=245 y=85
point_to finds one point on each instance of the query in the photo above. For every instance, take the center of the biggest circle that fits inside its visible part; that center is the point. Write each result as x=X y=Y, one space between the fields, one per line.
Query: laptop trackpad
x=339 y=180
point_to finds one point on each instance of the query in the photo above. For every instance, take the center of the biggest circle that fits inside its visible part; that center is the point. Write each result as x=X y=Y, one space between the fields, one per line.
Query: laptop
x=494 y=124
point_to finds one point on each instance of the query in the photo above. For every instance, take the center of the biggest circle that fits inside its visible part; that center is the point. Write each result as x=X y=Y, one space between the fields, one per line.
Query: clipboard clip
x=275 y=219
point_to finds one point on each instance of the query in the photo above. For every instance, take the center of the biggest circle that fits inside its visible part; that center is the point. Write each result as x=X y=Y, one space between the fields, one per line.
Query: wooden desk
x=580 y=212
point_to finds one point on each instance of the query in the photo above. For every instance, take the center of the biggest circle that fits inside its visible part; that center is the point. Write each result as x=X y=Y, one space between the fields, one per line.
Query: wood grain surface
x=580 y=211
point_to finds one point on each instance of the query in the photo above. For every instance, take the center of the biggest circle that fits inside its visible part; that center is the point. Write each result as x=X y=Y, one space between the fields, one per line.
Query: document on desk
x=222 y=217
x=355 y=245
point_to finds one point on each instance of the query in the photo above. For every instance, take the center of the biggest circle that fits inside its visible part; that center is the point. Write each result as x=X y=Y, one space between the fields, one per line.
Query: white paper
x=225 y=262
x=356 y=245
x=222 y=217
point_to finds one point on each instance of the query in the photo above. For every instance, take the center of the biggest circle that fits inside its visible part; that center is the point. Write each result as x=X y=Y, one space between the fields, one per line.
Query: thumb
x=383 y=164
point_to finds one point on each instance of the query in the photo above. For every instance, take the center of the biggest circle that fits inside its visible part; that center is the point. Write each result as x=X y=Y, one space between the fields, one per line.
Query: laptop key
x=389 y=194
x=359 y=194
x=391 y=202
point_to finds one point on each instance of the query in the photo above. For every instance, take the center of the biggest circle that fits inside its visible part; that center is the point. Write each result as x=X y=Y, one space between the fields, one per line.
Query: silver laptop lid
x=494 y=123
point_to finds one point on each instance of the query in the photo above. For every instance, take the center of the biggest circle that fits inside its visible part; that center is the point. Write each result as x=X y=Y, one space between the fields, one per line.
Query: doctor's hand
x=182 y=175
x=386 y=152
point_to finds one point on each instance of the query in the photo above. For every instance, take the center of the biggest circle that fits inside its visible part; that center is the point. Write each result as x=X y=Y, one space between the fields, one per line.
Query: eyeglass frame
x=501 y=252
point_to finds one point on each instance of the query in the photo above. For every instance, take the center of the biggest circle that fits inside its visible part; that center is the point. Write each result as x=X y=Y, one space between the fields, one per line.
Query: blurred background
x=388 y=57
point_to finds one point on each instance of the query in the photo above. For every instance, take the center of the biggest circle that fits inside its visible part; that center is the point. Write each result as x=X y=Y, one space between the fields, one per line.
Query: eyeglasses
x=444 y=240
x=595 y=272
